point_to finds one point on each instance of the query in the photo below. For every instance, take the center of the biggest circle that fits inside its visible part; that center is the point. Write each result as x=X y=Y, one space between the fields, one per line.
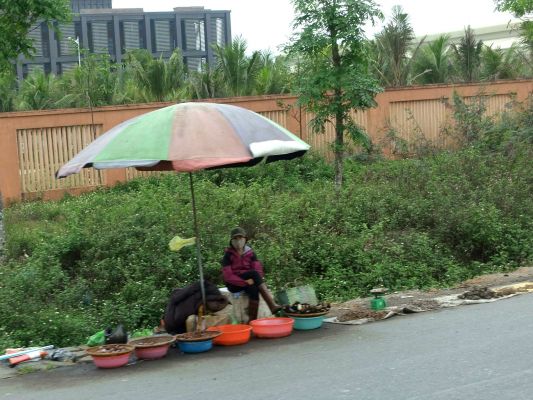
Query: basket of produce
x=110 y=355
x=305 y=310
x=306 y=316
x=152 y=347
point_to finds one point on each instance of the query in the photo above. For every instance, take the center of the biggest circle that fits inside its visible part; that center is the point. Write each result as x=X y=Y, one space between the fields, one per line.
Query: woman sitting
x=242 y=271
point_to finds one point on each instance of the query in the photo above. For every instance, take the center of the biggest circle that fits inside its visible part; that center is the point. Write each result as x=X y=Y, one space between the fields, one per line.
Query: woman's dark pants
x=251 y=290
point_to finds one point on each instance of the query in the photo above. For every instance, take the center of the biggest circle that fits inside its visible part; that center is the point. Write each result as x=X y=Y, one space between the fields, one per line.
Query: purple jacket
x=233 y=265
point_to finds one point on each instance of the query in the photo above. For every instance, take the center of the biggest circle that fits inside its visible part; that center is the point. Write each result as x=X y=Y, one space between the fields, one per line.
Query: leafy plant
x=334 y=76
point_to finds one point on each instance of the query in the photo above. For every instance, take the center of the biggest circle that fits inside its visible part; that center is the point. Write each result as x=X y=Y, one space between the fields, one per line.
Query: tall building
x=105 y=30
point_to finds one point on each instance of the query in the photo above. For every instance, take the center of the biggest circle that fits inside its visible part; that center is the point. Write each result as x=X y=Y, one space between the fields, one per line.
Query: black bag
x=116 y=336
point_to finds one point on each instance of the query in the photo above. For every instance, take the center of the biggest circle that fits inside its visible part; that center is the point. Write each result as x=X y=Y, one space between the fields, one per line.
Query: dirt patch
x=481 y=287
x=480 y=292
x=360 y=313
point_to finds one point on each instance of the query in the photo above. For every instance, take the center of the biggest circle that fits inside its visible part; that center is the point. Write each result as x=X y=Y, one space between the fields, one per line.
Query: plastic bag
x=176 y=243
x=116 y=336
x=61 y=355
x=142 y=333
x=97 y=339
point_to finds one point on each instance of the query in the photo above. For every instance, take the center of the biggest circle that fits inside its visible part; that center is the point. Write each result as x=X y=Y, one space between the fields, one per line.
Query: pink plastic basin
x=110 y=355
x=272 y=327
x=152 y=347
x=232 y=334
x=111 y=361
x=152 y=353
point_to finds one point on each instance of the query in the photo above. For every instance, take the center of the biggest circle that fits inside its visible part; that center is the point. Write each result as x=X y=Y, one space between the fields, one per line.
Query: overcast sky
x=266 y=24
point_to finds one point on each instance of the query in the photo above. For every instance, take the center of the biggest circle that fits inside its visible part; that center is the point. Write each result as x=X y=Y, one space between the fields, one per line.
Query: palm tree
x=39 y=91
x=433 y=63
x=274 y=75
x=237 y=69
x=394 y=51
x=205 y=84
x=154 y=79
x=502 y=64
x=8 y=90
x=468 y=56
x=94 y=83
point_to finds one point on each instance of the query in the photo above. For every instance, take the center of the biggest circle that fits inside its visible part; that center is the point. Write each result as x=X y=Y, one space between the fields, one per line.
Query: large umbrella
x=188 y=137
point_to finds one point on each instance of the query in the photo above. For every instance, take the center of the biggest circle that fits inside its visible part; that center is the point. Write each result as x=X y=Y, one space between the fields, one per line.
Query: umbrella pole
x=197 y=234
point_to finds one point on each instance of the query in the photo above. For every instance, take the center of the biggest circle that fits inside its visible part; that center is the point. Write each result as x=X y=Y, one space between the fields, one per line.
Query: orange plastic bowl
x=272 y=327
x=232 y=334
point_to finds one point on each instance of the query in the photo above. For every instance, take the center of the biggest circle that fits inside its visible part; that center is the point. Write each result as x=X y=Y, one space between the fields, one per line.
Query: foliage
x=18 y=17
x=334 y=74
x=157 y=79
x=394 y=51
x=39 y=91
x=501 y=64
x=274 y=75
x=78 y=265
x=238 y=69
x=522 y=9
x=433 y=63
x=468 y=56
x=8 y=87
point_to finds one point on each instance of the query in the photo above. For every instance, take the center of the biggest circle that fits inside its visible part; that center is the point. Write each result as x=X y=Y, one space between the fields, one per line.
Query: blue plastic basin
x=196 y=347
x=304 y=324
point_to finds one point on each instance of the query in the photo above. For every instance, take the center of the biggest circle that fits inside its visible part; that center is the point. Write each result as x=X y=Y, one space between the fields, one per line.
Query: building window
x=163 y=35
x=41 y=43
x=132 y=35
x=28 y=69
x=66 y=46
x=77 y=5
x=218 y=32
x=194 y=34
x=195 y=64
x=101 y=37
x=65 y=67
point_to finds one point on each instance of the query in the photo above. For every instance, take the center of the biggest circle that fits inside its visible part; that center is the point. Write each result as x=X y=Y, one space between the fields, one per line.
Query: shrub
x=78 y=265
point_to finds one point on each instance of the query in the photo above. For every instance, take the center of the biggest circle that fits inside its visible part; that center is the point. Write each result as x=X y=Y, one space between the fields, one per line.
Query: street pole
x=78 y=46
x=77 y=42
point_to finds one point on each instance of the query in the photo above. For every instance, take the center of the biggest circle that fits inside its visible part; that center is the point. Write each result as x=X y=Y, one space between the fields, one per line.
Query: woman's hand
x=250 y=282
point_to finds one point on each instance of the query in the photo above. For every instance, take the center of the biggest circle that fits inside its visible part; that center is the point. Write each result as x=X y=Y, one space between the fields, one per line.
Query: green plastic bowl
x=304 y=324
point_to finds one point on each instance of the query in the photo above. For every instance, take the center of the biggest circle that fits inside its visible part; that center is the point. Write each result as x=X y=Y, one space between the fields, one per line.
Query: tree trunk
x=339 y=114
x=339 y=150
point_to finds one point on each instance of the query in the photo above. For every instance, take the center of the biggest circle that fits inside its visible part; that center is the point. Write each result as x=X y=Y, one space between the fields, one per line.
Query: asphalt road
x=471 y=352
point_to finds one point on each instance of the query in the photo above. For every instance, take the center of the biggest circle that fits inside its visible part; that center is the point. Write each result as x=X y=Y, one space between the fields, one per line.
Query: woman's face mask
x=238 y=243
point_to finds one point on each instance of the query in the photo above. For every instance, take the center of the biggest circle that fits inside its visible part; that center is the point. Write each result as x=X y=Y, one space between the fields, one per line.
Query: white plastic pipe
x=6 y=356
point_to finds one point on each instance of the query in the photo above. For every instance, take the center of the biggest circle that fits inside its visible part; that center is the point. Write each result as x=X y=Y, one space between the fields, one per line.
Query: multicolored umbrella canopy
x=188 y=137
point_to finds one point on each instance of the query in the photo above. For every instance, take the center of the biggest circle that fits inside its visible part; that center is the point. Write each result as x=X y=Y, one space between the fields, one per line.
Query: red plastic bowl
x=232 y=334
x=272 y=327
x=152 y=353
x=111 y=361
x=152 y=347
x=110 y=355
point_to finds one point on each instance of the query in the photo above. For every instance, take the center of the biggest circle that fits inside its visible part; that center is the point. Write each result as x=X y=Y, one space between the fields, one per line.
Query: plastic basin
x=103 y=360
x=152 y=347
x=304 y=324
x=111 y=361
x=152 y=353
x=196 y=347
x=272 y=327
x=232 y=334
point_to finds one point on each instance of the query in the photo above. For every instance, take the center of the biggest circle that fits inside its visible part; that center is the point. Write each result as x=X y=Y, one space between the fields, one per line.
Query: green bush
x=76 y=266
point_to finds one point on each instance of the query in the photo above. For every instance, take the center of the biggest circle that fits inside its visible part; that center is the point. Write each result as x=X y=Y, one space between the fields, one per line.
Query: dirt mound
x=478 y=293
x=360 y=313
